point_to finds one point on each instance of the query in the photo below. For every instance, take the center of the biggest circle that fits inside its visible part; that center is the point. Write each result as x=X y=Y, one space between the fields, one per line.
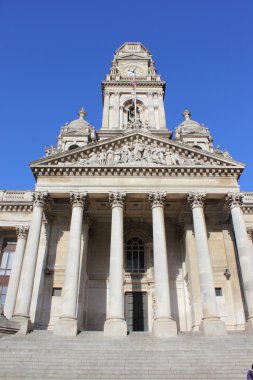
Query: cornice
x=125 y=83
x=144 y=171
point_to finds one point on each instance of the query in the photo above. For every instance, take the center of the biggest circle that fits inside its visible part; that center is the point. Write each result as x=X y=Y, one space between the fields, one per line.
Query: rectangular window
x=7 y=256
x=56 y=292
x=218 y=292
x=3 y=291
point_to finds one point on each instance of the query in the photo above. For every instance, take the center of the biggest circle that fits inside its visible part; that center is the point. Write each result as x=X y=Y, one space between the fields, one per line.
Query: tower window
x=218 y=292
x=135 y=262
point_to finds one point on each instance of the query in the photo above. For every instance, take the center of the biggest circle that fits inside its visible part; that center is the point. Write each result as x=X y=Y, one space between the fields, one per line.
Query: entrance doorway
x=136 y=311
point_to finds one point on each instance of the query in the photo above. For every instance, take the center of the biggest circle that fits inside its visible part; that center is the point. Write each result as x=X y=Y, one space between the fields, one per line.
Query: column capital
x=117 y=199
x=79 y=199
x=157 y=199
x=39 y=198
x=234 y=200
x=196 y=199
x=22 y=232
x=250 y=232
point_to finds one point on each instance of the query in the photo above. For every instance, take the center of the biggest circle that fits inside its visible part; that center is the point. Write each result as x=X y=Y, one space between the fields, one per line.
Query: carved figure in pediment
x=102 y=157
x=137 y=151
x=126 y=153
x=93 y=158
x=117 y=156
x=176 y=159
x=109 y=156
x=146 y=153
x=157 y=155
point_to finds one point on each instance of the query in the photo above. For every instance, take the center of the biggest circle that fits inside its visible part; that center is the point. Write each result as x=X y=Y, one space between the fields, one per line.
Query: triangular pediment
x=136 y=149
x=128 y=56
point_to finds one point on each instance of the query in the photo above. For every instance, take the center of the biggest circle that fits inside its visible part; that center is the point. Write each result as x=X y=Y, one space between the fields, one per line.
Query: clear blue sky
x=54 y=54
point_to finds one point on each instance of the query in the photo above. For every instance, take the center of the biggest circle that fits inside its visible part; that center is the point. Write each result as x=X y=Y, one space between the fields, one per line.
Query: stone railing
x=16 y=196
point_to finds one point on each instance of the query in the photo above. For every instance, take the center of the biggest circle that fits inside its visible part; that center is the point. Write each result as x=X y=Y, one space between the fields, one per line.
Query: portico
x=129 y=229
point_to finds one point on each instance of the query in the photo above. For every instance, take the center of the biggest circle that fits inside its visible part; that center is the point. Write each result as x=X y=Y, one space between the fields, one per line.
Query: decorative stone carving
x=196 y=199
x=117 y=199
x=250 y=232
x=234 y=199
x=79 y=200
x=157 y=199
x=22 y=232
x=39 y=199
x=135 y=153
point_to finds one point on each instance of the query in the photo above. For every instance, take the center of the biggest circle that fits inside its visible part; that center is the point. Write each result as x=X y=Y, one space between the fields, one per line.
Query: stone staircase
x=41 y=355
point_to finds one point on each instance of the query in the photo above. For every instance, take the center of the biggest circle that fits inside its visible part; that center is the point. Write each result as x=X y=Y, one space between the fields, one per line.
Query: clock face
x=133 y=71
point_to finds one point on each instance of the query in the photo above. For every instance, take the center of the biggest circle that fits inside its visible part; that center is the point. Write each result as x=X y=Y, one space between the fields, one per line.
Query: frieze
x=134 y=153
x=16 y=207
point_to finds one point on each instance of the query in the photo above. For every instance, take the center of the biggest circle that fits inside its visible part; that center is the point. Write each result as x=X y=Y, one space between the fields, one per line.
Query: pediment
x=132 y=56
x=136 y=149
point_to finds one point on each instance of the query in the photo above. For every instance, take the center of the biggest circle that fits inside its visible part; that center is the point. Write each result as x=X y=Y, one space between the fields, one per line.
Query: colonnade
x=20 y=288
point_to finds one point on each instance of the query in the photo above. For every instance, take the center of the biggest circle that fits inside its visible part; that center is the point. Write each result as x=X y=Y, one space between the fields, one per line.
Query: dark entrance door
x=136 y=311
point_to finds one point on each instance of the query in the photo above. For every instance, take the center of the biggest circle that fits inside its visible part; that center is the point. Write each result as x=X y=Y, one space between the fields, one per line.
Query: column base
x=24 y=322
x=7 y=326
x=66 y=326
x=164 y=327
x=115 y=328
x=212 y=327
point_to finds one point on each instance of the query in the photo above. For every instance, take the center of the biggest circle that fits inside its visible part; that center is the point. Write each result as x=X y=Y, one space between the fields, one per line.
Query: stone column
x=244 y=249
x=25 y=289
x=67 y=323
x=121 y=117
x=211 y=323
x=164 y=325
x=156 y=111
x=22 y=232
x=115 y=121
x=83 y=277
x=115 y=324
x=105 y=120
x=161 y=111
x=151 y=113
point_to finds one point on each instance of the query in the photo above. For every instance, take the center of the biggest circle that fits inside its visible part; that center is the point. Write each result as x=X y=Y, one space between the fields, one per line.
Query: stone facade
x=129 y=228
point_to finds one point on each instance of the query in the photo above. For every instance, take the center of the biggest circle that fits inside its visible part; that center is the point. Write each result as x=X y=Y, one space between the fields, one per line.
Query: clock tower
x=133 y=94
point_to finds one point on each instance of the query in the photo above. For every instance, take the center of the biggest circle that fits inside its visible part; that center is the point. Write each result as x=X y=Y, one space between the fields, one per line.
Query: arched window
x=135 y=262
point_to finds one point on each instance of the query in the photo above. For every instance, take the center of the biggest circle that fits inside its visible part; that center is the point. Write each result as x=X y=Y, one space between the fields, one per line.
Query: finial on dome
x=82 y=113
x=187 y=114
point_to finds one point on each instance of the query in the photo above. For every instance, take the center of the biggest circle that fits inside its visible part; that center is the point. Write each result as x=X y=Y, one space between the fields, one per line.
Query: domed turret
x=76 y=133
x=193 y=133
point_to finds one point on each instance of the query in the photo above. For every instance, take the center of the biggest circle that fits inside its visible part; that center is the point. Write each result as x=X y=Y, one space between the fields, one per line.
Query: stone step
x=41 y=355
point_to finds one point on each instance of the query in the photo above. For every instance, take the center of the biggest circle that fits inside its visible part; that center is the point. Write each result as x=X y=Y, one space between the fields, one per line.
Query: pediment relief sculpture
x=135 y=153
